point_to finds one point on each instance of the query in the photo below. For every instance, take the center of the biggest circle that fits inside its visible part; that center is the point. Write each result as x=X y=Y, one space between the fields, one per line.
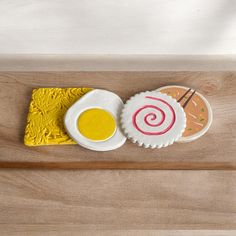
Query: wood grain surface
x=70 y=201
x=118 y=202
x=215 y=150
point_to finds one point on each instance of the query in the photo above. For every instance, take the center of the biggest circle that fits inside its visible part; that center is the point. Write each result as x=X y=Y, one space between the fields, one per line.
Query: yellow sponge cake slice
x=45 y=119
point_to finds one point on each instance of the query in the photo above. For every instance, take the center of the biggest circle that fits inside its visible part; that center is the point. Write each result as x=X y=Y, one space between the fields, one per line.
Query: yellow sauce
x=97 y=124
x=48 y=106
x=196 y=110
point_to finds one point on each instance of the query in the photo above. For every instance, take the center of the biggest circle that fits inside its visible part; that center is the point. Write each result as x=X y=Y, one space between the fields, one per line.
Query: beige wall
x=118 y=27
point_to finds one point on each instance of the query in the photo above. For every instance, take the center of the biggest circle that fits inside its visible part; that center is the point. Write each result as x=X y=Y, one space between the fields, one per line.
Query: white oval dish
x=96 y=98
x=153 y=119
x=210 y=116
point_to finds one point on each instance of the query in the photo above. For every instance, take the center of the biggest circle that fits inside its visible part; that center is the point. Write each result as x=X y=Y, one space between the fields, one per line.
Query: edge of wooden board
x=116 y=62
x=118 y=165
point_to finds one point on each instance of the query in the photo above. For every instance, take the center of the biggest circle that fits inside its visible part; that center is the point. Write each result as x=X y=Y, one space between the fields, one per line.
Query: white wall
x=118 y=26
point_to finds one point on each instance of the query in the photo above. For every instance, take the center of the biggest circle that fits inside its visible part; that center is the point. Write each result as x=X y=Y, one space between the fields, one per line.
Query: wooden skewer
x=180 y=99
x=188 y=100
x=118 y=165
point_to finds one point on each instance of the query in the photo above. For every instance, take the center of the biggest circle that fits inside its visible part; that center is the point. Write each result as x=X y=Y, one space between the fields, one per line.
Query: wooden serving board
x=215 y=150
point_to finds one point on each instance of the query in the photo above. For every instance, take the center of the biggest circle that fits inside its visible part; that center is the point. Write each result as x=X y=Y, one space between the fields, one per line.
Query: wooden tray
x=215 y=150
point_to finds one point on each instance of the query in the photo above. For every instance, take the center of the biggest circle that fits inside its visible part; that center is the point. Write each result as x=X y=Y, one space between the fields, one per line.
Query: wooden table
x=36 y=202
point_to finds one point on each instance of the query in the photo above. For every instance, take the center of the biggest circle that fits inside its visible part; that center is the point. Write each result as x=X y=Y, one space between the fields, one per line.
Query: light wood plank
x=217 y=146
x=76 y=202
x=117 y=200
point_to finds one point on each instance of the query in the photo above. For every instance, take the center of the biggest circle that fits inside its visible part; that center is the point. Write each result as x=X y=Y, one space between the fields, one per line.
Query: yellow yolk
x=97 y=124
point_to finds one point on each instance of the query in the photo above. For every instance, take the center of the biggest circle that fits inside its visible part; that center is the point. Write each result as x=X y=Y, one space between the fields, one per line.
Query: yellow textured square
x=45 y=119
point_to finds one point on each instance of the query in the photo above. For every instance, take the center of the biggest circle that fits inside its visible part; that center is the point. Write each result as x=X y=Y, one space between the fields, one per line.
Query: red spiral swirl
x=153 y=117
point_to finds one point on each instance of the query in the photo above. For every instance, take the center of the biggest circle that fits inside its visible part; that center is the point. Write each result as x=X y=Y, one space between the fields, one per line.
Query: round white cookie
x=153 y=119
x=97 y=99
